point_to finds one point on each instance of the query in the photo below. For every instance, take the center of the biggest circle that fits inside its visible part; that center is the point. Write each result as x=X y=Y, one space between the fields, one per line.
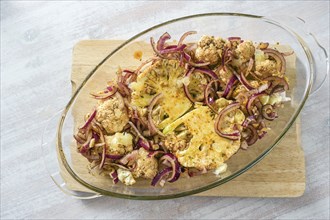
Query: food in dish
x=185 y=111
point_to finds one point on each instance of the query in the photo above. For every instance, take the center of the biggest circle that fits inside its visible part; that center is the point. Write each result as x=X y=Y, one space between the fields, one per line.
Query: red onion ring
x=123 y=89
x=108 y=94
x=152 y=103
x=268 y=115
x=155 y=153
x=176 y=170
x=234 y=38
x=185 y=35
x=143 y=143
x=253 y=137
x=103 y=157
x=79 y=139
x=276 y=82
x=161 y=42
x=251 y=100
x=89 y=120
x=160 y=175
x=229 y=86
x=138 y=133
x=113 y=156
x=206 y=94
x=114 y=176
x=208 y=72
x=247 y=120
x=173 y=50
x=278 y=58
x=129 y=157
x=231 y=107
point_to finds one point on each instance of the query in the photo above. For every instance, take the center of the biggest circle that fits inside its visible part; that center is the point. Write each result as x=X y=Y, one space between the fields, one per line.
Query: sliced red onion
x=176 y=170
x=185 y=35
x=91 y=157
x=107 y=94
x=114 y=176
x=123 y=89
x=208 y=72
x=103 y=156
x=253 y=135
x=268 y=112
x=113 y=156
x=152 y=103
x=155 y=153
x=185 y=87
x=79 y=139
x=143 y=143
x=229 y=86
x=241 y=78
x=89 y=120
x=278 y=58
x=161 y=42
x=250 y=66
x=95 y=136
x=278 y=84
x=161 y=175
x=251 y=100
x=137 y=132
x=234 y=38
x=129 y=157
x=207 y=93
x=127 y=76
x=110 y=88
x=187 y=57
x=247 y=120
x=245 y=82
x=85 y=145
x=173 y=50
x=231 y=107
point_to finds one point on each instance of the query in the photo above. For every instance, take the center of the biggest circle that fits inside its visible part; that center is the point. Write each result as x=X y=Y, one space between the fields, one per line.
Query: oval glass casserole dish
x=301 y=75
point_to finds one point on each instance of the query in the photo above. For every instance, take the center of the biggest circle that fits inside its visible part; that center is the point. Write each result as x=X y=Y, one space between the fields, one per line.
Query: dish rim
x=97 y=190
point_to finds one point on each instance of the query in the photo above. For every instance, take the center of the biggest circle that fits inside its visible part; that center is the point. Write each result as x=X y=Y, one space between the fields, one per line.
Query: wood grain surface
x=272 y=177
x=37 y=38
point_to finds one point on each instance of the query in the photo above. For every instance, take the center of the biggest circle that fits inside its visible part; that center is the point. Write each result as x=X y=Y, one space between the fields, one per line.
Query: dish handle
x=51 y=161
x=321 y=63
x=318 y=54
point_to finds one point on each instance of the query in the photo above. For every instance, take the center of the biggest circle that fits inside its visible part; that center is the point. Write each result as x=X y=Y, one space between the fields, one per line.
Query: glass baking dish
x=62 y=160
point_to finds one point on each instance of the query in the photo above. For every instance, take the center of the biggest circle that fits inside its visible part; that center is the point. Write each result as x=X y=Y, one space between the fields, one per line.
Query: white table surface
x=36 y=45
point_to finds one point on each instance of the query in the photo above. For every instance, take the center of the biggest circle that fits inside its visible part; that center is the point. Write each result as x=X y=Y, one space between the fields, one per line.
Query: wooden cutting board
x=272 y=177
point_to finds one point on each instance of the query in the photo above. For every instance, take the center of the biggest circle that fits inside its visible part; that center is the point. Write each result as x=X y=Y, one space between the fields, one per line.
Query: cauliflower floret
x=245 y=50
x=146 y=167
x=119 y=143
x=209 y=49
x=125 y=176
x=266 y=68
x=112 y=114
x=225 y=76
x=221 y=169
x=243 y=53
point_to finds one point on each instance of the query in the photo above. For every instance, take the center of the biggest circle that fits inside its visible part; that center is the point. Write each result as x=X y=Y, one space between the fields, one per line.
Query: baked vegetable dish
x=184 y=111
